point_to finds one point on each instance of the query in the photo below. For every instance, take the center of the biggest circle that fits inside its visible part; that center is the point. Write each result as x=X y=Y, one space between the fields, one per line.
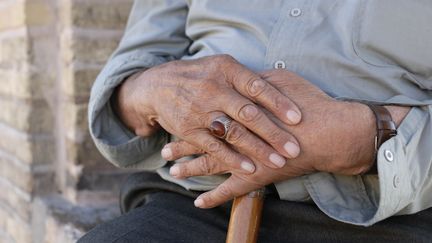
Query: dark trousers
x=171 y=217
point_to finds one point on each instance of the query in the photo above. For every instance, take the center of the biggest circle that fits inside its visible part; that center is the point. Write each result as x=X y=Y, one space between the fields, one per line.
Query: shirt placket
x=285 y=42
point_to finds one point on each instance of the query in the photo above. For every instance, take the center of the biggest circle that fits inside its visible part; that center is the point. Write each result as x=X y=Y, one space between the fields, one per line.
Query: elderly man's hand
x=184 y=97
x=335 y=136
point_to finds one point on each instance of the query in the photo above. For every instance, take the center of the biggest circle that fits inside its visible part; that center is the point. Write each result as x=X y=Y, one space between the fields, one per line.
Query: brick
x=91 y=14
x=39 y=12
x=34 y=116
x=11 y=14
x=44 y=182
x=16 y=172
x=89 y=49
x=32 y=149
x=76 y=120
x=86 y=154
x=15 y=112
x=41 y=118
x=5 y=236
x=16 y=228
x=15 y=198
x=78 y=82
x=13 y=49
x=80 y=147
x=14 y=83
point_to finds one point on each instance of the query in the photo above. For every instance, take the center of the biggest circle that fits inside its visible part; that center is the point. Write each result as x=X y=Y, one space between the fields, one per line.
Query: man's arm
x=145 y=44
x=403 y=184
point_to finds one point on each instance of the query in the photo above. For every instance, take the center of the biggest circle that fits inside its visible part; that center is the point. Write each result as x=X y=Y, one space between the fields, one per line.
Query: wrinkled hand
x=335 y=137
x=184 y=97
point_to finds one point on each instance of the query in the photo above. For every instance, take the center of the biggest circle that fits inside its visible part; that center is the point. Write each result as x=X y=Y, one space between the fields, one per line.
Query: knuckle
x=221 y=60
x=248 y=112
x=187 y=132
x=205 y=166
x=224 y=58
x=261 y=150
x=235 y=133
x=256 y=86
x=278 y=101
x=213 y=146
x=275 y=136
x=183 y=169
x=174 y=146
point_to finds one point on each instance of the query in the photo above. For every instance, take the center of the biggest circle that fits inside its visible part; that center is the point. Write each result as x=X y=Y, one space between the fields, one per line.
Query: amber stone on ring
x=219 y=127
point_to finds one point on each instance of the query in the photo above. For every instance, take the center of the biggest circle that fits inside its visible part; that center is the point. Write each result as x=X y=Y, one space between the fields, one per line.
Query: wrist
x=358 y=125
x=363 y=130
x=132 y=108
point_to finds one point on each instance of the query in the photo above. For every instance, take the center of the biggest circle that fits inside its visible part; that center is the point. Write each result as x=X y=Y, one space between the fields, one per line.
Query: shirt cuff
x=116 y=143
x=365 y=200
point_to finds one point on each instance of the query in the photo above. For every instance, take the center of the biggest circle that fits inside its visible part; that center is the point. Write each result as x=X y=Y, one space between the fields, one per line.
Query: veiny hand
x=335 y=136
x=184 y=97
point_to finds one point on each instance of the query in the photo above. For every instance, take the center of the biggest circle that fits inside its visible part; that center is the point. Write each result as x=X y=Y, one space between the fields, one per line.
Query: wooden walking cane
x=245 y=217
x=246 y=210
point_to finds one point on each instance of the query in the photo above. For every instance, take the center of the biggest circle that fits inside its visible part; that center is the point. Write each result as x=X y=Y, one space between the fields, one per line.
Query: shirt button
x=396 y=181
x=295 y=12
x=279 y=65
x=388 y=155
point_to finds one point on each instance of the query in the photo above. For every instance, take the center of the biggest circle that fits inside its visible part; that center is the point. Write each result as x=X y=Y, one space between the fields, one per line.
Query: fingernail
x=166 y=153
x=174 y=170
x=199 y=203
x=292 y=149
x=249 y=167
x=293 y=116
x=277 y=160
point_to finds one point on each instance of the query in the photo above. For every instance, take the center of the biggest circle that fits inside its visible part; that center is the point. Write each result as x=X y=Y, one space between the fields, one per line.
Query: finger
x=179 y=149
x=218 y=149
x=201 y=166
x=232 y=187
x=251 y=85
x=252 y=146
x=248 y=114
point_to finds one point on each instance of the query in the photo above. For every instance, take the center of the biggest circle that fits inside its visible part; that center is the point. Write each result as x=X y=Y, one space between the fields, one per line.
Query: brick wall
x=51 y=175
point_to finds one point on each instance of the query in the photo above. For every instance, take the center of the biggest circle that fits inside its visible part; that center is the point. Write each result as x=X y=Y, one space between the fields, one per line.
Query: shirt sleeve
x=155 y=34
x=404 y=181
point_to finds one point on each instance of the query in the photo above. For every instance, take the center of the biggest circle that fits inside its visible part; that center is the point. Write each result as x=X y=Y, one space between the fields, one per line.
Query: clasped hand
x=335 y=137
x=274 y=115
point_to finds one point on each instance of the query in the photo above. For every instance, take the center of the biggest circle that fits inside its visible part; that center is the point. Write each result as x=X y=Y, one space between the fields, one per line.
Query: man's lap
x=165 y=217
x=170 y=217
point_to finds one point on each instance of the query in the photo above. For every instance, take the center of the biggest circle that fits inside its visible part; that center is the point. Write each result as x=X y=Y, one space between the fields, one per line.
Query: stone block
x=63 y=221
x=80 y=147
x=15 y=171
x=77 y=82
x=43 y=181
x=86 y=154
x=39 y=12
x=91 y=49
x=33 y=116
x=13 y=49
x=100 y=14
x=29 y=148
x=14 y=83
x=15 y=198
x=11 y=14
x=16 y=228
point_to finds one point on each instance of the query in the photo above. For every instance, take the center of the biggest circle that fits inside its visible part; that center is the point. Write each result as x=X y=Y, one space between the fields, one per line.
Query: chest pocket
x=396 y=33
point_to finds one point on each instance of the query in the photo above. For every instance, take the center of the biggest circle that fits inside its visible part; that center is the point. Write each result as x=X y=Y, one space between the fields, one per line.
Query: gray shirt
x=378 y=51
